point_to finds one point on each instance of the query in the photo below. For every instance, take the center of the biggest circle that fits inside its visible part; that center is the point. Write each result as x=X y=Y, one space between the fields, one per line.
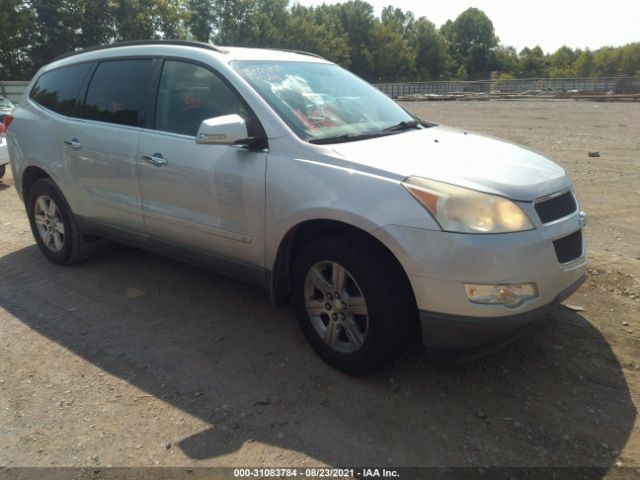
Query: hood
x=471 y=160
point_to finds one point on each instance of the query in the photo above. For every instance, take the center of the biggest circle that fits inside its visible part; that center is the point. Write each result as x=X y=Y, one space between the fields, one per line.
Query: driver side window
x=189 y=94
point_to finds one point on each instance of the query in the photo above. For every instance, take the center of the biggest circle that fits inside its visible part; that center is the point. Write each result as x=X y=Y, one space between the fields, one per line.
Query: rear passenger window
x=58 y=89
x=189 y=94
x=118 y=92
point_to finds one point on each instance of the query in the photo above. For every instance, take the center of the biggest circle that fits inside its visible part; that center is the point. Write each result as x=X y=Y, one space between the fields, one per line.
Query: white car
x=6 y=107
x=283 y=169
x=4 y=155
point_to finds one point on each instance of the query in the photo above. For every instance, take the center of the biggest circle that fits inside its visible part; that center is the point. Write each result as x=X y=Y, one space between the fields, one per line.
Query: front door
x=205 y=198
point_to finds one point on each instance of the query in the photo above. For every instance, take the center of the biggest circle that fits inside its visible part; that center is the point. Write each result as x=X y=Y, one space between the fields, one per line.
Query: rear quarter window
x=58 y=89
x=118 y=92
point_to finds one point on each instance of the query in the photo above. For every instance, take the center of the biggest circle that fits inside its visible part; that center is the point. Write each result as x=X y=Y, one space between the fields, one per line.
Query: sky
x=548 y=23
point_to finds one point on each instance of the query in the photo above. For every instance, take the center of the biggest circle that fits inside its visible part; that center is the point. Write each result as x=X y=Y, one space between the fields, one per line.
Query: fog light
x=582 y=218
x=508 y=295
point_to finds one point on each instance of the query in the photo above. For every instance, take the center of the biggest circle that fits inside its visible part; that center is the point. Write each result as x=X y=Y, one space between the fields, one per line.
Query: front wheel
x=3 y=170
x=345 y=297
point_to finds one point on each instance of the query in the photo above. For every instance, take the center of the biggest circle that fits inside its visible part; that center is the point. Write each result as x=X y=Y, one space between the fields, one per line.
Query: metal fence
x=552 y=86
x=13 y=90
x=619 y=85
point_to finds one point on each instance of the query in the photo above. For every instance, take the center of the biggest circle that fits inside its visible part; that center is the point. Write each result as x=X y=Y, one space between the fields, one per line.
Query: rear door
x=207 y=198
x=101 y=145
x=41 y=131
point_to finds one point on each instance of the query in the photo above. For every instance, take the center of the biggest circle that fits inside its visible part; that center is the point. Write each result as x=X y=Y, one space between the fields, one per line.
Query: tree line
x=396 y=46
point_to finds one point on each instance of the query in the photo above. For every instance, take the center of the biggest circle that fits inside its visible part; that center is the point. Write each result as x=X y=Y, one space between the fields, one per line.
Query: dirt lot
x=133 y=359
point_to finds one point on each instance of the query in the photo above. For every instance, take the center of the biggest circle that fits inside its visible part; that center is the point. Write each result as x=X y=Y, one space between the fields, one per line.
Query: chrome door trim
x=157 y=160
x=73 y=143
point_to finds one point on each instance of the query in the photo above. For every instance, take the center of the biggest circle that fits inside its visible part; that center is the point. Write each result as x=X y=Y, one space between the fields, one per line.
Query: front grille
x=569 y=248
x=556 y=207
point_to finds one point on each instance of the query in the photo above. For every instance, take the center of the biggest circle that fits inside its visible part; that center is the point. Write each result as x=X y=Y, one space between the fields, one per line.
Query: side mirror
x=224 y=130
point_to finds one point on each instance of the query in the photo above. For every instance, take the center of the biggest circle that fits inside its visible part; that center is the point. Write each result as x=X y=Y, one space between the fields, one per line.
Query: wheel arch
x=295 y=238
x=30 y=175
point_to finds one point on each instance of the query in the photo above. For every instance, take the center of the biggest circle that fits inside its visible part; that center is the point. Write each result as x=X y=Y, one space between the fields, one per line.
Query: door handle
x=157 y=160
x=73 y=143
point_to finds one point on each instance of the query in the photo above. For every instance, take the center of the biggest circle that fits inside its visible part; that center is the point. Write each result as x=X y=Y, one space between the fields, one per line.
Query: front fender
x=301 y=190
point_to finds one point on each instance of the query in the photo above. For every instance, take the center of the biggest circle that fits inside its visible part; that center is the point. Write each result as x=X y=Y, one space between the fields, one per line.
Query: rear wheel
x=3 y=170
x=54 y=226
x=346 y=302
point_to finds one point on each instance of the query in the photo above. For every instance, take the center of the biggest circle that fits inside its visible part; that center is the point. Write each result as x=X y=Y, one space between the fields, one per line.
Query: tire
x=3 y=170
x=65 y=244
x=365 y=339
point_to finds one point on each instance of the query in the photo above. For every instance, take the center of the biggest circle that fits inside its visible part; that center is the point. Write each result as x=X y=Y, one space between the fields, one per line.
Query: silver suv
x=283 y=169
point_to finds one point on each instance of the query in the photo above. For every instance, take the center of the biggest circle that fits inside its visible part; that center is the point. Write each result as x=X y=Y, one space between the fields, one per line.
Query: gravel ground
x=132 y=359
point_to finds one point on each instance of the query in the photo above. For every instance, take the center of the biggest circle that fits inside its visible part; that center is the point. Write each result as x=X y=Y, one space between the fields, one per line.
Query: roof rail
x=300 y=52
x=129 y=43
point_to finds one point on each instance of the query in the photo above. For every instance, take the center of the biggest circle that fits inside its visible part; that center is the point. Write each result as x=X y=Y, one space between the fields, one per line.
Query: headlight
x=459 y=209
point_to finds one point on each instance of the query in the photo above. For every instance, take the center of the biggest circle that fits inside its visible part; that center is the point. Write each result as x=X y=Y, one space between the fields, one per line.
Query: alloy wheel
x=336 y=306
x=49 y=223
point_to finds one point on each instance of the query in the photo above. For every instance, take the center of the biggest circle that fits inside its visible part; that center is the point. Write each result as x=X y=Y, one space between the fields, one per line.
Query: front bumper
x=458 y=332
x=439 y=264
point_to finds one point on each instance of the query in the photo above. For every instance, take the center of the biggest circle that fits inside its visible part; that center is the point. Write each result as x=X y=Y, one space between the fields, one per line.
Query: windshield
x=324 y=103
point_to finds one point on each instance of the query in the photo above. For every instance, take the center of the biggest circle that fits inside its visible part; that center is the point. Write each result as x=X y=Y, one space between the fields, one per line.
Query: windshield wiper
x=403 y=125
x=347 y=137
x=352 y=137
